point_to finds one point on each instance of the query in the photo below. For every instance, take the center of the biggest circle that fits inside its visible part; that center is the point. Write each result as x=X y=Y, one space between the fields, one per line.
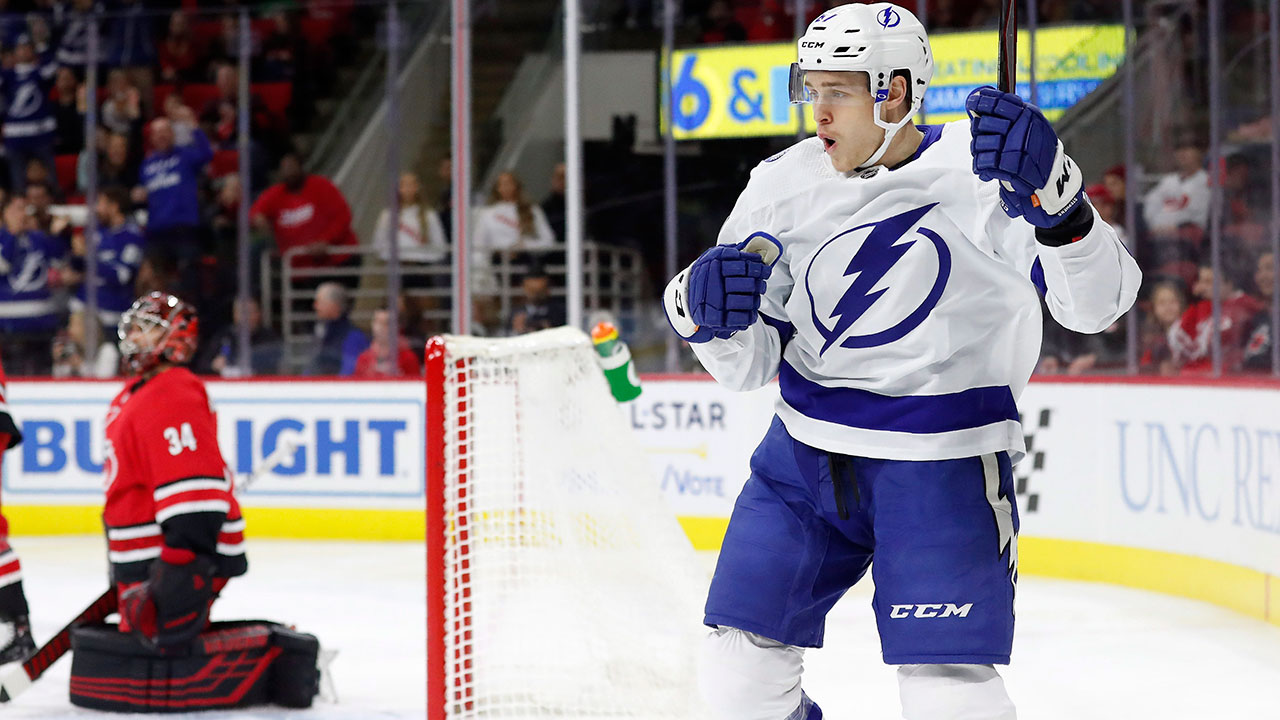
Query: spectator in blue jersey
x=338 y=342
x=37 y=26
x=30 y=129
x=28 y=309
x=71 y=23
x=170 y=177
x=119 y=256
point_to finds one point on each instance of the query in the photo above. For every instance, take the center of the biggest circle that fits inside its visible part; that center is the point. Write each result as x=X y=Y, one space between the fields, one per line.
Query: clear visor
x=836 y=88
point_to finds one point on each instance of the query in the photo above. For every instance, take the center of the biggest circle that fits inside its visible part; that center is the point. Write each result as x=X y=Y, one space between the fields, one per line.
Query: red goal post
x=558 y=581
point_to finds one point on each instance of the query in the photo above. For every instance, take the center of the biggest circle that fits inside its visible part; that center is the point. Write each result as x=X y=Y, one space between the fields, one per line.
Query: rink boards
x=1171 y=487
x=356 y=470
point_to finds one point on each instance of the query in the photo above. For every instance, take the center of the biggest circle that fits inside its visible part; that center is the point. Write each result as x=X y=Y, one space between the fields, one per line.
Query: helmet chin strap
x=890 y=130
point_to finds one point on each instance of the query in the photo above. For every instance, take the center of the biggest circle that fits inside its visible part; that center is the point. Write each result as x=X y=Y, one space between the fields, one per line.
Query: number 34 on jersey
x=180 y=438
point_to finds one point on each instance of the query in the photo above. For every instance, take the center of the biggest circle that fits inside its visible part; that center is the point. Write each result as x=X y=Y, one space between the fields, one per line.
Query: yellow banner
x=733 y=91
x=741 y=90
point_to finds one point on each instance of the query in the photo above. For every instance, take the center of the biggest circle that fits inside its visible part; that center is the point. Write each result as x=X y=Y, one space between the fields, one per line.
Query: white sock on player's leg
x=745 y=676
x=953 y=692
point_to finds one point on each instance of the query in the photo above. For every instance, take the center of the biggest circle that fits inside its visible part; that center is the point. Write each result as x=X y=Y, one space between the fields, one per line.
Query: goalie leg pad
x=231 y=665
x=745 y=676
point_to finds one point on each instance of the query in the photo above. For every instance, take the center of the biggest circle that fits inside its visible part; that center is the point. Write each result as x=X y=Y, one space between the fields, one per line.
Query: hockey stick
x=15 y=678
x=286 y=447
x=1007 y=59
x=1007 y=54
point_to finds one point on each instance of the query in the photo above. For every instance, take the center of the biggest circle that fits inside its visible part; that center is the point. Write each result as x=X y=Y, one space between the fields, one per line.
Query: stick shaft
x=1007 y=60
x=59 y=644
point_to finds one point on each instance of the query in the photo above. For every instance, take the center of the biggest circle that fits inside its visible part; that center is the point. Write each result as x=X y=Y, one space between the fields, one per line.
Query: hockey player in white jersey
x=887 y=274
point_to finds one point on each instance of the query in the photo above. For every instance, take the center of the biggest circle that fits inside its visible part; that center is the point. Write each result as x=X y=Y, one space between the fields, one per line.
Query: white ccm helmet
x=878 y=39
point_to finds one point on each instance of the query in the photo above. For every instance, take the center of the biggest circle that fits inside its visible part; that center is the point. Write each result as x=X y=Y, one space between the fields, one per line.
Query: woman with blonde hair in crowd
x=423 y=246
x=419 y=234
x=511 y=221
x=509 y=227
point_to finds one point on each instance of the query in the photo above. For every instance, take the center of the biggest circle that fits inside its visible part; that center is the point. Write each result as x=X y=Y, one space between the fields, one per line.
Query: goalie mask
x=881 y=40
x=157 y=328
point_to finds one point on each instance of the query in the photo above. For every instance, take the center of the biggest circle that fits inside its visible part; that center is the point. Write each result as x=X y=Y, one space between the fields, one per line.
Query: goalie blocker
x=230 y=665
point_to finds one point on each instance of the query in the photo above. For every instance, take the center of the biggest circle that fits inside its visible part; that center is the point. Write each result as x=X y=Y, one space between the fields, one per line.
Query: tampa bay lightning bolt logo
x=889 y=18
x=883 y=246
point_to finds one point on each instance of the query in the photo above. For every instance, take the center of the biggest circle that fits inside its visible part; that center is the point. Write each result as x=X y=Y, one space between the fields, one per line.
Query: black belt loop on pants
x=841 y=468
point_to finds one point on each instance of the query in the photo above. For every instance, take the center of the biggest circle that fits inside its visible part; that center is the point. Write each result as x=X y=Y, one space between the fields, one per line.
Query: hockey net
x=559 y=584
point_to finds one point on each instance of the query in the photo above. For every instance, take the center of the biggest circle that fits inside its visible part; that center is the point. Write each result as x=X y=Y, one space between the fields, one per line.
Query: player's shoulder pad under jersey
x=179 y=379
x=785 y=174
x=792 y=161
x=174 y=391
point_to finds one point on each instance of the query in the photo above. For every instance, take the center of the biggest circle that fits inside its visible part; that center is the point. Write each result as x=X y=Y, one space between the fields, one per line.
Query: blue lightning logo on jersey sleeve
x=879 y=253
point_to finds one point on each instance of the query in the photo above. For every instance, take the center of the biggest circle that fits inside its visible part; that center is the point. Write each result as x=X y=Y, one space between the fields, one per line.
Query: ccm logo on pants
x=931 y=610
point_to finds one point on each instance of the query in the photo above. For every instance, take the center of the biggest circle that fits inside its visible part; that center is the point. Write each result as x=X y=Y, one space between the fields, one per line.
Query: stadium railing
x=615 y=282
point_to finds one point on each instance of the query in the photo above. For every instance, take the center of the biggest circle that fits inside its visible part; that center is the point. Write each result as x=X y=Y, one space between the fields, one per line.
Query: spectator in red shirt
x=374 y=362
x=1191 y=338
x=306 y=211
x=178 y=53
x=1257 y=349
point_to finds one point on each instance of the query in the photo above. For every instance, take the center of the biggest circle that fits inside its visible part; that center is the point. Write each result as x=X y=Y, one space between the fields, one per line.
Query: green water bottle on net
x=615 y=360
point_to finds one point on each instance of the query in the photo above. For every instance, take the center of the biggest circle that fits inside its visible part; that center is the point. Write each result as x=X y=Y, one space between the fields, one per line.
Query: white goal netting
x=569 y=588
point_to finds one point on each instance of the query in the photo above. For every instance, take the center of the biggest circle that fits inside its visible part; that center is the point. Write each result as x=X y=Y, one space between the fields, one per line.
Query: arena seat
x=276 y=96
x=317 y=30
x=65 y=171
x=224 y=162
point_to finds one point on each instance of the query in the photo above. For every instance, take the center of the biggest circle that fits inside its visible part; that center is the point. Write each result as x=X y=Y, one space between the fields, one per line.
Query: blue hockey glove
x=1014 y=144
x=719 y=294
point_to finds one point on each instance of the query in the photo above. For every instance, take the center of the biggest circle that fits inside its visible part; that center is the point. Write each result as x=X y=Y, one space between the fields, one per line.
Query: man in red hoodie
x=306 y=211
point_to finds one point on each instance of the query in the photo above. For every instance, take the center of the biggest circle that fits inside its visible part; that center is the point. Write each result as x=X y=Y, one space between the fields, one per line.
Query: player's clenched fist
x=1015 y=144
x=719 y=294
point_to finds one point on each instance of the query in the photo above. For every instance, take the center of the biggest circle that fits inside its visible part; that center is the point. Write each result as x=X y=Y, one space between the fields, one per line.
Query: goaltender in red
x=174 y=530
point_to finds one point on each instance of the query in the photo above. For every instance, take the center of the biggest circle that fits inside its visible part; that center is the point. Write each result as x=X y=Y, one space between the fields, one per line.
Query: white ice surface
x=365 y=600
x=1082 y=650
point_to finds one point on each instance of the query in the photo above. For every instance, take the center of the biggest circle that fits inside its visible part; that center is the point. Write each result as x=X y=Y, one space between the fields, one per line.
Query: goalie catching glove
x=719 y=294
x=1015 y=144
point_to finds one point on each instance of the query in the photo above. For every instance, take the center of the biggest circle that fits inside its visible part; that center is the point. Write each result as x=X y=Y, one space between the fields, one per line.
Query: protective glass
x=835 y=88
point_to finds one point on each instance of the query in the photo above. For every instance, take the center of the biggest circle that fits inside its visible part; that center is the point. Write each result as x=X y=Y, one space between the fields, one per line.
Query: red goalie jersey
x=167 y=484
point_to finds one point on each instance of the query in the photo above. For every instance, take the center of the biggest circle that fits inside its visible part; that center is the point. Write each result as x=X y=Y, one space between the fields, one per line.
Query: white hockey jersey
x=902 y=317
